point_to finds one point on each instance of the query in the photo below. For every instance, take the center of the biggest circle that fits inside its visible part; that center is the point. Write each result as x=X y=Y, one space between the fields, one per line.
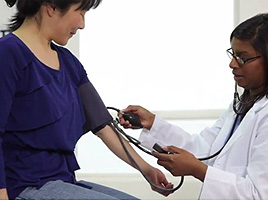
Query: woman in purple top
x=43 y=90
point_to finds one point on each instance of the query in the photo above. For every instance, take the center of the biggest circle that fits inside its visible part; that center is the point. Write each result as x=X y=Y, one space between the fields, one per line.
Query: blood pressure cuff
x=95 y=112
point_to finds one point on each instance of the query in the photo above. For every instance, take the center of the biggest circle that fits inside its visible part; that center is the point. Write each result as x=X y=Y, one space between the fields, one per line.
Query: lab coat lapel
x=226 y=129
x=246 y=125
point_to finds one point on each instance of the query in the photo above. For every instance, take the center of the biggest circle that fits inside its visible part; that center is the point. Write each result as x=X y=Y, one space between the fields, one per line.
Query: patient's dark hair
x=254 y=30
x=28 y=8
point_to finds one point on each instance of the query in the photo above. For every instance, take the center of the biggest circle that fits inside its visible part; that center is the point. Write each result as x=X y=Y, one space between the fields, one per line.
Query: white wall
x=160 y=55
x=247 y=8
x=243 y=10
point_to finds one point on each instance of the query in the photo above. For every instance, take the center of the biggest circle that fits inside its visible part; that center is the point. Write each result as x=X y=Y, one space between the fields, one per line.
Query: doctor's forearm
x=200 y=170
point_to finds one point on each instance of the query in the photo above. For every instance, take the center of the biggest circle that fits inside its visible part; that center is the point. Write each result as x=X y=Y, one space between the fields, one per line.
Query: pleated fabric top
x=41 y=116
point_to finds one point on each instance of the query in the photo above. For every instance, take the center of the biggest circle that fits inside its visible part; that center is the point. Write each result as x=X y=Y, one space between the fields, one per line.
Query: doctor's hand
x=181 y=163
x=3 y=194
x=145 y=116
x=159 y=179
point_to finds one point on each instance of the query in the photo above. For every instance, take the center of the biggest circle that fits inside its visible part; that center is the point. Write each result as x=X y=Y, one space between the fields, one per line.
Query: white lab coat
x=240 y=171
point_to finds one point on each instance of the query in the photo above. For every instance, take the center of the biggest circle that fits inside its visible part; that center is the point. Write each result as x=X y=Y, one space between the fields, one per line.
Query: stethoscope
x=133 y=118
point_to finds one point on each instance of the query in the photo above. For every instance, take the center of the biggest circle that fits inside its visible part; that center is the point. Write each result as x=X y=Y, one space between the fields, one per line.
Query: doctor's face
x=250 y=74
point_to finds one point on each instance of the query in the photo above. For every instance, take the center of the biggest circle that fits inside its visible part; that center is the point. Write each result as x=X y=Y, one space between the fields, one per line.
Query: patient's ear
x=50 y=9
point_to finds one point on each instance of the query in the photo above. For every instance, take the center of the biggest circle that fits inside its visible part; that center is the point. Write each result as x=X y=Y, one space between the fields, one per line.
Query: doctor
x=239 y=170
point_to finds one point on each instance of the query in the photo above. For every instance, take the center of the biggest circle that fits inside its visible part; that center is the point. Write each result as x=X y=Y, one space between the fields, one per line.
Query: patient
x=42 y=112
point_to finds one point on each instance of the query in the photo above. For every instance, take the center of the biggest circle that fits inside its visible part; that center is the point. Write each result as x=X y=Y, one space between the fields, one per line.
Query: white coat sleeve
x=166 y=134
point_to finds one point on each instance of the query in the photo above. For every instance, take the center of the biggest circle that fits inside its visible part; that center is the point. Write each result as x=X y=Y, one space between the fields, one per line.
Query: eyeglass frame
x=240 y=60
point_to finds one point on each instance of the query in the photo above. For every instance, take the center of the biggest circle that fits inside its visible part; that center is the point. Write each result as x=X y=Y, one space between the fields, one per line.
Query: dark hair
x=28 y=8
x=254 y=30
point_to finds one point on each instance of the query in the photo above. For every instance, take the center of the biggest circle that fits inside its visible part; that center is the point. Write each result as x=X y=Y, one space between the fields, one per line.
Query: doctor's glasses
x=239 y=59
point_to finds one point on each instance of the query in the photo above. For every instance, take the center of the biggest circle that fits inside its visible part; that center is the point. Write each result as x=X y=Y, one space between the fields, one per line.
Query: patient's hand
x=3 y=194
x=159 y=179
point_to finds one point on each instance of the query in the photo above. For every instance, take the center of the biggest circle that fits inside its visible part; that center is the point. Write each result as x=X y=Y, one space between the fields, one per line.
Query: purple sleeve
x=8 y=82
x=95 y=112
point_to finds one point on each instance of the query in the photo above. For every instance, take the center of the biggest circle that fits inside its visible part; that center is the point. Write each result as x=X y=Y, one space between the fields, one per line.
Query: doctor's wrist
x=200 y=170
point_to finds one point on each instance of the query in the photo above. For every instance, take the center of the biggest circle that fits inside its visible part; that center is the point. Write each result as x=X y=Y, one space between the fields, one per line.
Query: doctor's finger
x=166 y=164
x=161 y=156
x=124 y=122
x=174 y=149
x=131 y=108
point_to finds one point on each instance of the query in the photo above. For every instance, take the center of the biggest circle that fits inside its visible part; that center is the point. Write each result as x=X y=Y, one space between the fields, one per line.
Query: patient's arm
x=3 y=194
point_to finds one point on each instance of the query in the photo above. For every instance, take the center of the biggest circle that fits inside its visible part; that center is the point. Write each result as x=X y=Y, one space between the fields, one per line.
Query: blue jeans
x=59 y=190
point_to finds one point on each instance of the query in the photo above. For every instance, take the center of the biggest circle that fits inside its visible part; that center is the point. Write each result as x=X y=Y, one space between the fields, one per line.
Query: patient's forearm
x=110 y=138
x=3 y=194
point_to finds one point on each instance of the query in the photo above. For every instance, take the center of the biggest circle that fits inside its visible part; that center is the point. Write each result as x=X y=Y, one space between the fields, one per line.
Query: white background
x=164 y=55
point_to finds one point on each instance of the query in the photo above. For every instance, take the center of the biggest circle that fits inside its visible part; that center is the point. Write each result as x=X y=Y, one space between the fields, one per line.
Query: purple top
x=41 y=116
